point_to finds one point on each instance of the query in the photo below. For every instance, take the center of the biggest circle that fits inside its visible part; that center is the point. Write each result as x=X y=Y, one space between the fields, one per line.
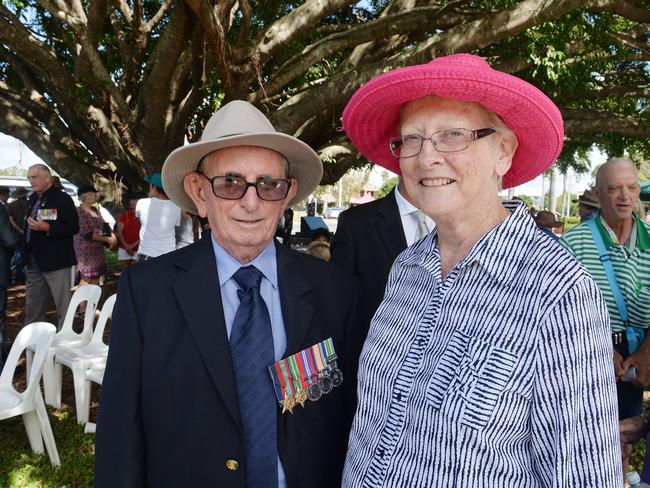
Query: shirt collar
x=405 y=207
x=609 y=237
x=265 y=262
x=499 y=252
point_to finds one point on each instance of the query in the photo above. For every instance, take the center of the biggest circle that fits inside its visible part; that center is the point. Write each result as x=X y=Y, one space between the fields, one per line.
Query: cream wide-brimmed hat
x=239 y=123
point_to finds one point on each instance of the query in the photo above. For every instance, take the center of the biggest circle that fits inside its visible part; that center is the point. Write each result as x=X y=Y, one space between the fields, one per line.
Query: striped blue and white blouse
x=499 y=375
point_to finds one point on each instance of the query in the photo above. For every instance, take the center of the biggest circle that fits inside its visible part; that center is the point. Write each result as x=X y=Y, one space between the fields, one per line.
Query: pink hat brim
x=371 y=116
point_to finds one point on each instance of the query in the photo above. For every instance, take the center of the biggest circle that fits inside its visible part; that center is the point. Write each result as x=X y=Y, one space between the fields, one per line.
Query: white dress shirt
x=410 y=221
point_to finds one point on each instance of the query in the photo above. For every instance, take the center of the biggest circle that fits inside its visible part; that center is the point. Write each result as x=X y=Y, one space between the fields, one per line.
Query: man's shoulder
x=366 y=210
x=142 y=203
x=59 y=197
x=581 y=233
x=317 y=270
x=171 y=264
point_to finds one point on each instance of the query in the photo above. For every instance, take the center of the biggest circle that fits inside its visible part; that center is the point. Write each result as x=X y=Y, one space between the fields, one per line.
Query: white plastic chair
x=95 y=375
x=67 y=339
x=38 y=336
x=80 y=359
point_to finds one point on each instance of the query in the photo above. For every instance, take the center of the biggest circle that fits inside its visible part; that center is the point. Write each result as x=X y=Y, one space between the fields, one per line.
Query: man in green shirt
x=627 y=240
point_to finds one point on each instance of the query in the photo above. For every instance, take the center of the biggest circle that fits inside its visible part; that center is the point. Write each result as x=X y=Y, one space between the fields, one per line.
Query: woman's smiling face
x=451 y=183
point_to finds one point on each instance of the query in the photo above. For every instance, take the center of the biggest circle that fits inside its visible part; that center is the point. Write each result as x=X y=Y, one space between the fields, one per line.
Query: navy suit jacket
x=54 y=249
x=169 y=414
x=368 y=239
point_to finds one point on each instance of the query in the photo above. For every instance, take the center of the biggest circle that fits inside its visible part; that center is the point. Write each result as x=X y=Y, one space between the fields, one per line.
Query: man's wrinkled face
x=40 y=179
x=243 y=227
x=618 y=191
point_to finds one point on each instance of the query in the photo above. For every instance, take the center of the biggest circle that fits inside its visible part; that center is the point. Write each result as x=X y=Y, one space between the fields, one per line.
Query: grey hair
x=41 y=166
x=611 y=162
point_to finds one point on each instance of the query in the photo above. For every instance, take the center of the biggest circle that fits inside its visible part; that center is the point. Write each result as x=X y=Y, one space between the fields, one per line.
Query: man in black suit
x=8 y=241
x=51 y=222
x=187 y=398
x=368 y=239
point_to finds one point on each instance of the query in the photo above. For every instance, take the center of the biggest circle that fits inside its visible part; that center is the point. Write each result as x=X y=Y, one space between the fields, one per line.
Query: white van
x=13 y=182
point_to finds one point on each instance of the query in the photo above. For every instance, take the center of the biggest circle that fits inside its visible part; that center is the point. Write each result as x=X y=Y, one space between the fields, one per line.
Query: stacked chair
x=94 y=374
x=37 y=338
x=67 y=339
x=79 y=359
x=47 y=351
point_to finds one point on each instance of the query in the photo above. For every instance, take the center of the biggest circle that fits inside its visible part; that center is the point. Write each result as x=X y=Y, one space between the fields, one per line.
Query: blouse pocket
x=469 y=378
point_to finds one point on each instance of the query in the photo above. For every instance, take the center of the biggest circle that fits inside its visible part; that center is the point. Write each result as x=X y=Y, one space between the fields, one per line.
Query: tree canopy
x=109 y=87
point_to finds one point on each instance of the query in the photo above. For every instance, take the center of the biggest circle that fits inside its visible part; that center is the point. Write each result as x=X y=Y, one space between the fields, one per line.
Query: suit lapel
x=297 y=312
x=389 y=225
x=199 y=298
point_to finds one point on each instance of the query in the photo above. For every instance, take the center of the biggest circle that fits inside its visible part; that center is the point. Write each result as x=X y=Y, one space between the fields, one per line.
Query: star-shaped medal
x=301 y=397
x=288 y=404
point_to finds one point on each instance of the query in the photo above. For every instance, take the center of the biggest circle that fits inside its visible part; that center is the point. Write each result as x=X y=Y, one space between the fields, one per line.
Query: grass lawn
x=20 y=468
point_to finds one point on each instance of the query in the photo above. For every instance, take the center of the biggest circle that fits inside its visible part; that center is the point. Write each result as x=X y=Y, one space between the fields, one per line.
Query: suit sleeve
x=120 y=452
x=67 y=222
x=343 y=252
x=8 y=237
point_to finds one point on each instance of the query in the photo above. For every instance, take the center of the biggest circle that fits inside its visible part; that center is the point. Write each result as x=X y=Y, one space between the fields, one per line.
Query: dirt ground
x=14 y=322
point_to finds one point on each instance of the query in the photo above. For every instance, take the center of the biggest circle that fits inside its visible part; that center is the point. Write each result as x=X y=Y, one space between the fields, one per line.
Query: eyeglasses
x=231 y=187
x=445 y=141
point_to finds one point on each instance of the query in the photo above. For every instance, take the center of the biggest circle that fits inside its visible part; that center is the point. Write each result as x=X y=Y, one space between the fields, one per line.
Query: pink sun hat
x=371 y=116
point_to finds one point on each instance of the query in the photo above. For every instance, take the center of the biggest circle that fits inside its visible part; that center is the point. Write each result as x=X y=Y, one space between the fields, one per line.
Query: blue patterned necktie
x=251 y=348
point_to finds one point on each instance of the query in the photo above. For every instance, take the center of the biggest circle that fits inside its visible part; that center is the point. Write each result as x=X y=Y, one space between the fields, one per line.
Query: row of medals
x=327 y=380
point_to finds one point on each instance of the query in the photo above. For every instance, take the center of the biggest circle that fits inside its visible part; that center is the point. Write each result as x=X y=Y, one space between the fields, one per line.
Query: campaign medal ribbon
x=314 y=389
x=282 y=386
x=323 y=370
x=278 y=375
x=306 y=375
x=289 y=398
x=335 y=372
x=297 y=378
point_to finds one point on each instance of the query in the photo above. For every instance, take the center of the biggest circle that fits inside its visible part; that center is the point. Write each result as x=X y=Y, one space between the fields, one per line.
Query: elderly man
x=51 y=222
x=624 y=242
x=203 y=336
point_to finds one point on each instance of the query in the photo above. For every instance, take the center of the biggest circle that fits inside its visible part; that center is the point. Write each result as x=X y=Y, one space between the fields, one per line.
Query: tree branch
x=268 y=41
x=462 y=38
x=158 y=15
x=125 y=10
x=57 y=148
x=245 y=28
x=631 y=10
x=583 y=121
x=354 y=35
x=154 y=97
x=38 y=56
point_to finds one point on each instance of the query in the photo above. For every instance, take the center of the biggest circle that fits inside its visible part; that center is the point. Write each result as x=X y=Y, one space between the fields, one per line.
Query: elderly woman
x=90 y=240
x=488 y=363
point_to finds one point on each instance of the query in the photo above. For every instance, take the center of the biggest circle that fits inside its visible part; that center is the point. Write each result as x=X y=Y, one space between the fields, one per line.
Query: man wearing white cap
x=206 y=341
